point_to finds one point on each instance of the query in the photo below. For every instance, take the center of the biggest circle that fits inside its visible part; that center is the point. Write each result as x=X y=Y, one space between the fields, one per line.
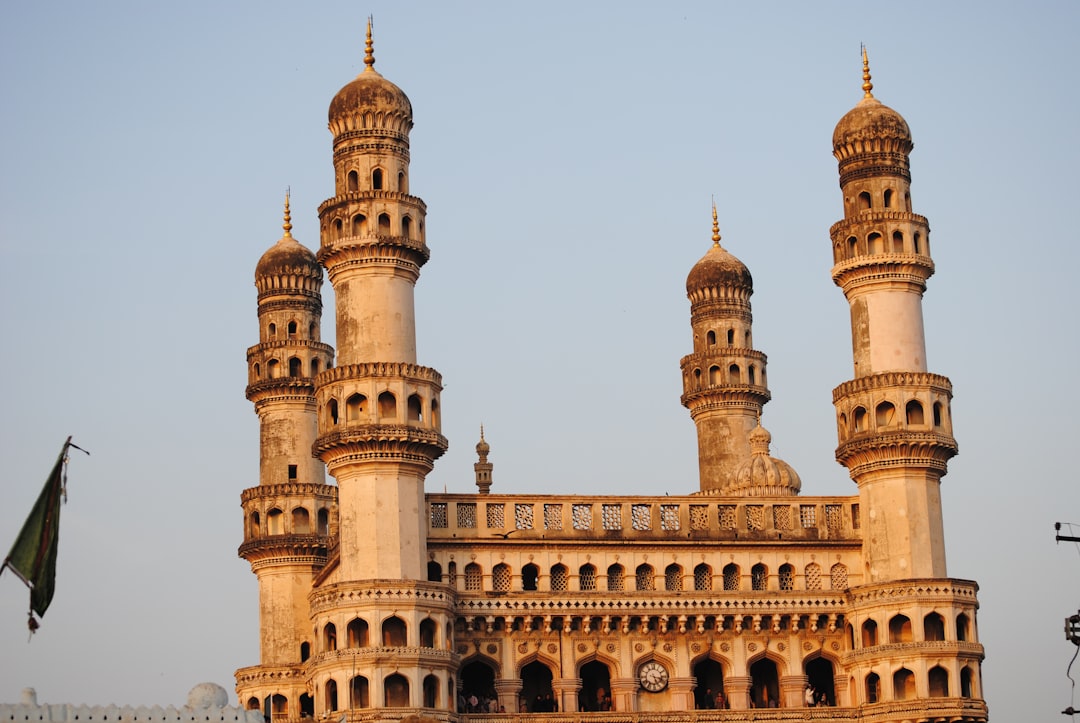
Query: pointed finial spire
x=288 y=215
x=369 y=52
x=715 y=226
x=867 y=86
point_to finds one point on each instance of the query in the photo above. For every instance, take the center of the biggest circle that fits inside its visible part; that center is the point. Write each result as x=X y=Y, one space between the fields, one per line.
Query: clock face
x=653 y=676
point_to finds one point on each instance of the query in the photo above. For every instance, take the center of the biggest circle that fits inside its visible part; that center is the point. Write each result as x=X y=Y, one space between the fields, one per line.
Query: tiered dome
x=871 y=125
x=370 y=94
x=288 y=257
x=718 y=268
x=762 y=475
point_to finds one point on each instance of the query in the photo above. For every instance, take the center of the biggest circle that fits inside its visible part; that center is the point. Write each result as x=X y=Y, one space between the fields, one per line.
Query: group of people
x=812 y=698
x=542 y=704
x=470 y=702
x=707 y=700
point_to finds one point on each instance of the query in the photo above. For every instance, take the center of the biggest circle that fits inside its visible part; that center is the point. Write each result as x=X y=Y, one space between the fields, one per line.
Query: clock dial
x=653 y=676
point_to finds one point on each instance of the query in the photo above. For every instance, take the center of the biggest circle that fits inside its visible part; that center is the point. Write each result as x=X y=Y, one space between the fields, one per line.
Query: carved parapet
x=407 y=254
x=843 y=228
x=370 y=195
x=380 y=442
x=284 y=550
x=290 y=490
x=725 y=396
x=269 y=674
x=371 y=657
x=280 y=389
x=934 y=591
x=380 y=593
x=413 y=373
x=887 y=380
x=886 y=268
x=896 y=449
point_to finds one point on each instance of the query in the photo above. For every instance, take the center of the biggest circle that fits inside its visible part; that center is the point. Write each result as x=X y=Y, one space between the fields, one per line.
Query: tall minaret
x=379 y=425
x=724 y=384
x=287 y=517
x=894 y=421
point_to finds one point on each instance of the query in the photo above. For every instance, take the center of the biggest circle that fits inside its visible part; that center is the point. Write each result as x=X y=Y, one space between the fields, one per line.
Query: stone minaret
x=894 y=421
x=287 y=516
x=483 y=468
x=724 y=384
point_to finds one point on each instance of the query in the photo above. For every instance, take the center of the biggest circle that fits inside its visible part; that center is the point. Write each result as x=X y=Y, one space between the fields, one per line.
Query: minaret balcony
x=380 y=443
x=372 y=249
x=372 y=195
x=285 y=549
x=843 y=228
x=896 y=449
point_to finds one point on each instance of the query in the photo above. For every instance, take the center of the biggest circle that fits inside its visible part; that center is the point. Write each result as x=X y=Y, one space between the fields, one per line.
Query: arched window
x=559 y=576
x=402 y=182
x=938 y=679
x=431 y=691
x=354 y=408
x=279 y=707
x=396 y=691
x=314 y=367
x=394 y=632
x=587 y=577
x=888 y=197
x=764 y=684
x=535 y=681
x=731 y=576
x=962 y=627
x=595 y=686
x=900 y=629
x=301 y=521
x=275 y=522
x=473 y=577
x=530 y=577
x=752 y=372
x=714 y=376
x=864 y=201
x=352 y=181
x=305 y=651
x=500 y=577
x=377 y=179
x=406 y=226
x=253 y=525
x=428 y=630
x=414 y=409
x=821 y=677
x=384 y=224
x=332 y=412
x=885 y=414
x=838 y=579
x=874 y=244
x=937 y=414
x=913 y=413
x=917 y=240
x=858 y=418
x=357 y=633
x=358 y=693
x=273 y=370
x=673 y=577
x=323 y=522
x=359 y=225
x=338 y=228
x=869 y=634
x=733 y=374
x=710 y=338
x=435 y=413
x=873 y=688
x=897 y=242
x=965 y=682
x=271 y=331
x=933 y=627
x=731 y=337
x=759 y=577
x=434 y=571
x=292 y=329
x=387 y=407
x=329 y=637
x=702 y=577
x=853 y=247
x=331 y=695
x=615 y=577
x=903 y=685
x=786 y=575
x=813 y=576
x=296 y=367
x=644 y=577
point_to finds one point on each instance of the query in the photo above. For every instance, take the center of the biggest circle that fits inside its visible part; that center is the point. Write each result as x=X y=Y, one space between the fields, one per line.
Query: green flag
x=33 y=556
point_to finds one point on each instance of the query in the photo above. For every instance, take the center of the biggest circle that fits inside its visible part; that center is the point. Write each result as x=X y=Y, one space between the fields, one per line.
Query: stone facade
x=381 y=602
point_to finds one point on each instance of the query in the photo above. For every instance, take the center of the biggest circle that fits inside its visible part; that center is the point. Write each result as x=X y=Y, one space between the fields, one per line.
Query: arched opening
x=305 y=651
x=358 y=693
x=838 y=577
x=435 y=413
x=434 y=571
x=387 y=407
x=252 y=704
x=275 y=522
x=864 y=201
x=428 y=631
x=820 y=676
x=731 y=337
x=587 y=577
x=394 y=632
x=710 y=338
x=786 y=575
x=332 y=412
x=752 y=373
x=874 y=244
x=595 y=687
x=396 y=691
x=559 y=577
x=933 y=627
x=873 y=688
x=323 y=522
x=702 y=577
x=903 y=684
x=406 y=226
x=714 y=376
x=673 y=577
x=615 y=575
x=644 y=577
x=357 y=633
x=853 y=247
x=477 y=679
x=301 y=521
x=885 y=414
x=500 y=577
x=431 y=691
x=900 y=629
x=279 y=707
x=965 y=682
x=937 y=414
x=354 y=408
x=330 y=637
x=733 y=374
x=314 y=367
x=331 y=695
x=759 y=577
x=731 y=576
x=377 y=179
x=273 y=369
x=414 y=409
x=858 y=419
x=536 y=686
x=869 y=634
x=292 y=329
x=938 y=680
x=888 y=197
x=359 y=225
x=254 y=529
x=897 y=242
x=338 y=228
x=962 y=627
x=402 y=182
x=271 y=330
x=384 y=224
x=473 y=577
x=352 y=181
x=913 y=413
x=764 y=684
x=709 y=685
x=917 y=241
x=530 y=577
x=256 y=371
x=812 y=573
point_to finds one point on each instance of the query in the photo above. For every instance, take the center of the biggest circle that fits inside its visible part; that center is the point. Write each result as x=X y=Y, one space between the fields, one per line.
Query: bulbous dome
x=763 y=475
x=287 y=257
x=870 y=120
x=718 y=268
x=371 y=92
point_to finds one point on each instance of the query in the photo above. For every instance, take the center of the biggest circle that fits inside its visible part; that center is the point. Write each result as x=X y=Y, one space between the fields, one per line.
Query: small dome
x=482 y=447
x=762 y=475
x=207 y=695
x=369 y=92
x=870 y=120
x=287 y=257
x=718 y=268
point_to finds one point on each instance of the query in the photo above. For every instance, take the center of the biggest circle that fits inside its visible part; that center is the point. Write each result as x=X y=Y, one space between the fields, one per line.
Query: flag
x=33 y=556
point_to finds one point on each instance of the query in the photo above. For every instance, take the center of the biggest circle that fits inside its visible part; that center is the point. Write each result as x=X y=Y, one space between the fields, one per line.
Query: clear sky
x=567 y=153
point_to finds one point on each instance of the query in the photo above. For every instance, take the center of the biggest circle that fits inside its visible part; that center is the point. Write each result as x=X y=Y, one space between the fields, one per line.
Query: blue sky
x=568 y=153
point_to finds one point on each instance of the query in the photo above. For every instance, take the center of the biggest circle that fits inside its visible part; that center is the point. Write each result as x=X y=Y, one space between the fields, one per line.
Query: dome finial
x=715 y=226
x=369 y=52
x=288 y=215
x=866 y=85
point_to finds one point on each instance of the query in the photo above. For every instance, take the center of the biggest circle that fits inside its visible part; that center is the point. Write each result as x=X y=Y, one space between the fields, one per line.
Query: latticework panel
x=582 y=515
x=813 y=576
x=703 y=577
x=669 y=517
x=473 y=577
x=496 y=516
x=645 y=579
x=641 y=517
x=587 y=577
x=787 y=577
x=611 y=516
x=834 y=519
x=500 y=578
x=755 y=517
x=727 y=517
x=558 y=578
x=438 y=515
x=759 y=577
x=615 y=578
x=808 y=515
x=466 y=514
x=781 y=517
x=731 y=577
x=552 y=517
x=673 y=578
x=855 y=523
x=699 y=517
x=838 y=577
x=523 y=516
